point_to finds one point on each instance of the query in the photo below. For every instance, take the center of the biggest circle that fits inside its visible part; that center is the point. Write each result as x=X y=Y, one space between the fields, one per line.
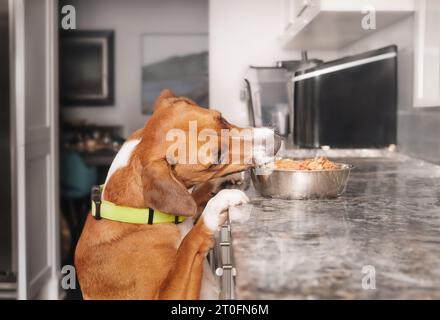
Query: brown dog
x=116 y=260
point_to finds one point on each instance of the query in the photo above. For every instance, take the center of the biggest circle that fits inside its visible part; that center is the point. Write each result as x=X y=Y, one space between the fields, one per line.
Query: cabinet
x=427 y=54
x=298 y=9
x=333 y=24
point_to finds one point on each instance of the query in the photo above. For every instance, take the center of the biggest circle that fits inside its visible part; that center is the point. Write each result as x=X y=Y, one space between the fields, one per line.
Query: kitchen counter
x=387 y=222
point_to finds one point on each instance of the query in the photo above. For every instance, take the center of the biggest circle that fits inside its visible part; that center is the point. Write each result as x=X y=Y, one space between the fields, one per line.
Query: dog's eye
x=219 y=156
x=216 y=161
x=212 y=165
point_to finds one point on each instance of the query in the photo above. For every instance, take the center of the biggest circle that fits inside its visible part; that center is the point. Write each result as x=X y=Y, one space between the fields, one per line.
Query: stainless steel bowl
x=300 y=184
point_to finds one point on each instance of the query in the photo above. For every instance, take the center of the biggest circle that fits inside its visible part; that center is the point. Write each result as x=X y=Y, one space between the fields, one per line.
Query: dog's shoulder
x=136 y=135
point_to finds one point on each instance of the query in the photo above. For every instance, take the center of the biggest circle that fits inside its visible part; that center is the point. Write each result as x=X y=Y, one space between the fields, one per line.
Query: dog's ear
x=168 y=99
x=163 y=192
x=162 y=101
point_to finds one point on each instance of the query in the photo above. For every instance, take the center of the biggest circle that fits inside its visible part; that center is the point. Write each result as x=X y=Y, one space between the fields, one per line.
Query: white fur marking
x=263 y=132
x=223 y=200
x=263 y=145
x=122 y=158
x=185 y=227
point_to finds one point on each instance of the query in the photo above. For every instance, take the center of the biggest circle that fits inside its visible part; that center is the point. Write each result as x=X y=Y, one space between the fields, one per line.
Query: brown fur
x=117 y=260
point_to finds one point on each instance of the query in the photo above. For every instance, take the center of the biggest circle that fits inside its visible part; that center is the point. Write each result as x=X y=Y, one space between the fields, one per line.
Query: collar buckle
x=96 y=198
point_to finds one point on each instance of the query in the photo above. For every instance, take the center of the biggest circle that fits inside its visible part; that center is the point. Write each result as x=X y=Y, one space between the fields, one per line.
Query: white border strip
x=345 y=66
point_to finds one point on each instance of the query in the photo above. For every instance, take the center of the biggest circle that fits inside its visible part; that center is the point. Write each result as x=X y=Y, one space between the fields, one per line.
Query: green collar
x=111 y=211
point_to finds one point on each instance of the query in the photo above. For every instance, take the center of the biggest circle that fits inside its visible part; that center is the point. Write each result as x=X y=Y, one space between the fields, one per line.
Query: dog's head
x=188 y=144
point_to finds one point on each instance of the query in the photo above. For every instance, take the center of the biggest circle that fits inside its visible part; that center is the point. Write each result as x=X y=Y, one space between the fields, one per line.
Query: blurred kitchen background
x=323 y=73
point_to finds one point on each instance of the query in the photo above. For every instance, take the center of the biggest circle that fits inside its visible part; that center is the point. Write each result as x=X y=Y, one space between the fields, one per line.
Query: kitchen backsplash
x=419 y=133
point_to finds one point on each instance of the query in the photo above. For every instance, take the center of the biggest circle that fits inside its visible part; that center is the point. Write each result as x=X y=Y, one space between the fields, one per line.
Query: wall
x=418 y=128
x=243 y=33
x=130 y=19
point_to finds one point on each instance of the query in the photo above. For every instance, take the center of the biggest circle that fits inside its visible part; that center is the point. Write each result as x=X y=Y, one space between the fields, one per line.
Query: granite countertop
x=386 y=227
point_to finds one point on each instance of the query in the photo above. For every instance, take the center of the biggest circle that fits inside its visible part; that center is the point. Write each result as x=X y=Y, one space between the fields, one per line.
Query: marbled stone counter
x=388 y=218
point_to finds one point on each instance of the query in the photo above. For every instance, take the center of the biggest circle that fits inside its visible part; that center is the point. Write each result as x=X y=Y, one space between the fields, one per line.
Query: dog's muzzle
x=266 y=144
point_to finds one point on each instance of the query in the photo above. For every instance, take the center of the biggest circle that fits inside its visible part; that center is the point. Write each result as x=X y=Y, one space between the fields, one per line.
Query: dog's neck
x=123 y=185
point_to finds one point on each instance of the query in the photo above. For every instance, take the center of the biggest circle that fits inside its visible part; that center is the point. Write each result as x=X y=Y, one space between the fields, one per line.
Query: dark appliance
x=347 y=103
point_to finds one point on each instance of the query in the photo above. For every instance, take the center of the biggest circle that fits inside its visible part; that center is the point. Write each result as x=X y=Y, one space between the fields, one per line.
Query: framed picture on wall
x=175 y=61
x=87 y=68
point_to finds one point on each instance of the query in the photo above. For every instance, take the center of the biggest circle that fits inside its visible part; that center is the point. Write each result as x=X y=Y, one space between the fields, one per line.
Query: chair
x=76 y=179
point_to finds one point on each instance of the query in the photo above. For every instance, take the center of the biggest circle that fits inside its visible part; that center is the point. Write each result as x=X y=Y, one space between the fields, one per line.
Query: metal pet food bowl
x=301 y=184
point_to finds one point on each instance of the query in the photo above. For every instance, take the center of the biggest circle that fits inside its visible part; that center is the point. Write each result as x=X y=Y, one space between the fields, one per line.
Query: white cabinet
x=298 y=13
x=427 y=54
x=299 y=6
x=333 y=24
x=297 y=10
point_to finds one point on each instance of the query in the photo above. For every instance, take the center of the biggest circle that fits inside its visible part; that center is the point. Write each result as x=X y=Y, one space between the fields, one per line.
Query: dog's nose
x=266 y=144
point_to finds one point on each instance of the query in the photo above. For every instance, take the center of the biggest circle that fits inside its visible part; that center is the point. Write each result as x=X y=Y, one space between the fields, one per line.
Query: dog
x=119 y=260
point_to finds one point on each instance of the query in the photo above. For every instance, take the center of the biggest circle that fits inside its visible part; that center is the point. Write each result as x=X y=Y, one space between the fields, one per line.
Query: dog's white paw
x=220 y=202
x=241 y=214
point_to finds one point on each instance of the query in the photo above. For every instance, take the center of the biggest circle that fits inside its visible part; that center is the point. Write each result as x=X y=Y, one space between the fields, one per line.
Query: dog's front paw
x=221 y=202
